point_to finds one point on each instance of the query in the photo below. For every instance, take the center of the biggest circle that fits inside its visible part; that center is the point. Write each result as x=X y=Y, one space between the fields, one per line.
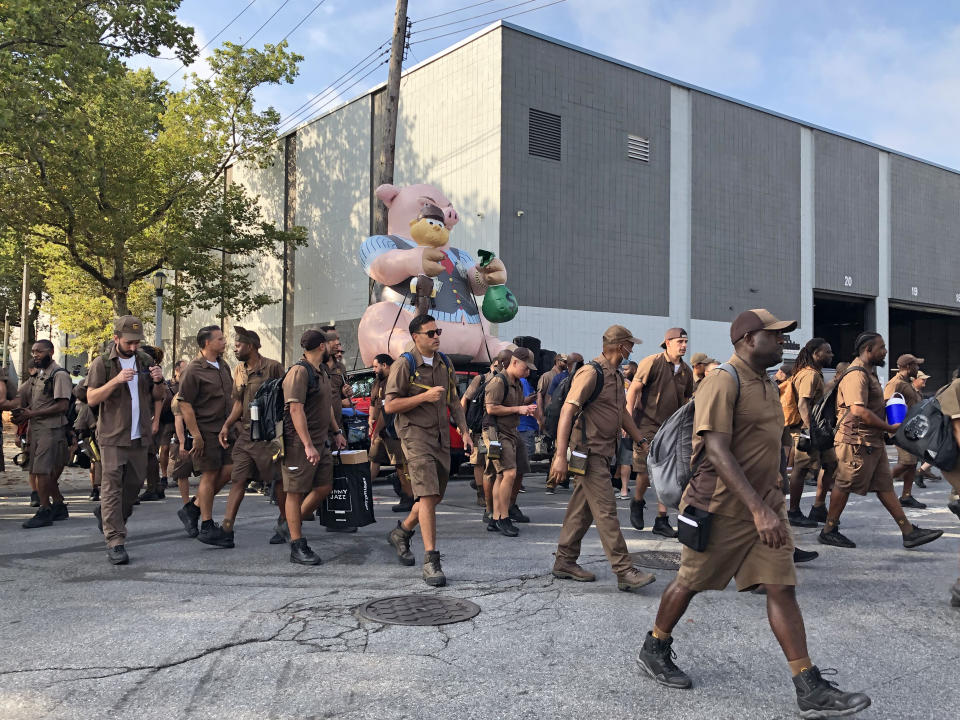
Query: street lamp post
x=159 y=280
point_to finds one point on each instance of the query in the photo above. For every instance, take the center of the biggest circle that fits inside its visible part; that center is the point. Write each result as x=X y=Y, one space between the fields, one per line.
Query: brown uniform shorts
x=735 y=550
x=179 y=468
x=808 y=461
x=479 y=454
x=299 y=476
x=862 y=469
x=386 y=451
x=427 y=476
x=166 y=434
x=905 y=458
x=48 y=450
x=214 y=457
x=640 y=452
x=252 y=461
x=508 y=453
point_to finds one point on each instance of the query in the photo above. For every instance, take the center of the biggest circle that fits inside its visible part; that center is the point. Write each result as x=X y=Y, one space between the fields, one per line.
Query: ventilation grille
x=638 y=148
x=544 y=134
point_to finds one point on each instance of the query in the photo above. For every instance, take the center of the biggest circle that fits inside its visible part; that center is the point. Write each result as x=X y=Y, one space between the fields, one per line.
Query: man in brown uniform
x=543 y=384
x=206 y=389
x=43 y=401
x=699 y=364
x=307 y=466
x=592 y=428
x=421 y=401
x=504 y=398
x=662 y=384
x=734 y=494
x=907 y=368
x=484 y=474
x=125 y=386
x=807 y=387
x=252 y=459
x=384 y=444
x=862 y=465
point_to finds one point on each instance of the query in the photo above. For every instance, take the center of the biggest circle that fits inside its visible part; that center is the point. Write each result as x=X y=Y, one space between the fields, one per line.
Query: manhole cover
x=658 y=560
x=419 y=610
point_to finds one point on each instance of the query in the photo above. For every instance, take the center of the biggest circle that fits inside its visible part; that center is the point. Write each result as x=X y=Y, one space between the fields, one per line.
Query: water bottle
x=256 y=432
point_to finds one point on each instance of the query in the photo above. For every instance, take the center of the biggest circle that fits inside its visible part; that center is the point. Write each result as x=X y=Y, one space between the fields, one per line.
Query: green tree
x=134 y=182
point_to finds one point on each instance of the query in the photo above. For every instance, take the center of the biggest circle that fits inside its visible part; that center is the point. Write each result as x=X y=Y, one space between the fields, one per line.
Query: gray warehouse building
x=614 y=194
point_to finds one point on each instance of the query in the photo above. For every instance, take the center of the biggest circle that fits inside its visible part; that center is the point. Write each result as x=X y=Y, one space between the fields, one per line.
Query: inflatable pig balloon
x=416 y=248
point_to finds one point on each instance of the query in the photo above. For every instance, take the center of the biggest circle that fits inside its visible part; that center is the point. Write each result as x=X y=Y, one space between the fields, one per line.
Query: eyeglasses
x=431 y=333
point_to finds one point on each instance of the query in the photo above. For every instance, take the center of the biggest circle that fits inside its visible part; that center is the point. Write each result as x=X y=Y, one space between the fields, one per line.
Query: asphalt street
x=189 y=631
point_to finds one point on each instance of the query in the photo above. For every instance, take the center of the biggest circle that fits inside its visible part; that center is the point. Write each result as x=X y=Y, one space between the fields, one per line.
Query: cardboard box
x=351 y=457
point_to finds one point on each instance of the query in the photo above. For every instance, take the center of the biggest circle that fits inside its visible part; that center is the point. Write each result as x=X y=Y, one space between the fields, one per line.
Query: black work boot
x=189 y=515
x=661 y=526
x=212 y=534
x=802 y=556
x=400 y=539
x=798 y=519
x=59 y=510
x=281 y=533
x=405 y=504
x=492 y=525
x=42 y=518
x=656 y=660
x=835 y=538
x=34 y=499
x=301 y=553
x=95 y=495
x=636 y=513
x=117 y=555
x=506 y=527
x=818 y=513
x=954 y=507
x=516 y=514
x=149 y=496
x=909 y=501
x=819 y=698
x=432 y=572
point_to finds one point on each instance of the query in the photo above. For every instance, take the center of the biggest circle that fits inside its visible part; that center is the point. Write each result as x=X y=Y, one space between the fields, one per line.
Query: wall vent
x=638 y=148
x=544 y=134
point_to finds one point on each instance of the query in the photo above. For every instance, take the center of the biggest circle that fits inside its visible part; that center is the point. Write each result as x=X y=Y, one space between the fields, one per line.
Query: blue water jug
x=896 y=409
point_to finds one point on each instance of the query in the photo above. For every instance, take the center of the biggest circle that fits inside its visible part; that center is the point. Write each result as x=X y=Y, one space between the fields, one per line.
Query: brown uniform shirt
x=544 y=383
x=377 y=391
x=247 y=382
x=598 y=425
x=502 y=391
x=755 y=426
x=338 y=379
x=809 y=384
x=897 y=384
x=115 y=422
x=949 y=400
x=208 y=390
x=32 y=396
x=316 y=403
x=859 y=388
x=474 y=387
x=664 y=391
x=425 y=430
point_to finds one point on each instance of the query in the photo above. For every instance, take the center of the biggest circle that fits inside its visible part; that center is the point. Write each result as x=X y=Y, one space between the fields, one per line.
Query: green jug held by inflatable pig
x=499 y=304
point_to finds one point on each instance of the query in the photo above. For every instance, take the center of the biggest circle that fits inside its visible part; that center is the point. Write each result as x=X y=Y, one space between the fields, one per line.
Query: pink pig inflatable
x=394 y=259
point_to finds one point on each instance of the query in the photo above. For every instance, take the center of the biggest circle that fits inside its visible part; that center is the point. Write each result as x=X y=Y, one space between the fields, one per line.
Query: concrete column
x=881 y=314
x=807 y=236
x=681 y=190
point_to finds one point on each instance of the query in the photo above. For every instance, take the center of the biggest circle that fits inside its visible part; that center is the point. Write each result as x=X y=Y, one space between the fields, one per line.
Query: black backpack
x=270 y=403
x=477 y=409
x=823 y=415
x=552 y=414
x=928 y=434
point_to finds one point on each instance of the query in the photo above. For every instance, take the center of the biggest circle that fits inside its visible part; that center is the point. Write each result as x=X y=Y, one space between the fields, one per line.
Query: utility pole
x=388 y=141
x=25 y=322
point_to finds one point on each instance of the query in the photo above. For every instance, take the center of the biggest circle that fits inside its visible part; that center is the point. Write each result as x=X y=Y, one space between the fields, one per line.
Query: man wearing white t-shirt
x=126 y=383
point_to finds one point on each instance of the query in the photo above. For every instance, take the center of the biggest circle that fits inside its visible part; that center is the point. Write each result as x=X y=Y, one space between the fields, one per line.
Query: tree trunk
x=120 y=306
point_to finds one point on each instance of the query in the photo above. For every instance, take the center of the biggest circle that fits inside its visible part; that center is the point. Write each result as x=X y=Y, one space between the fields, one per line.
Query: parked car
x=362 y=383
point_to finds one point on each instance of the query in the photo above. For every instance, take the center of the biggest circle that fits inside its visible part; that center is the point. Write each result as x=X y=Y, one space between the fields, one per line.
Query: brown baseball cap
x=752 y=320
x=672 y=334
x=619 y=334
x=699 y=359
x=907 y=359
x=502 y=358
x=525 y=355
x=128 y=328
x=922 y=376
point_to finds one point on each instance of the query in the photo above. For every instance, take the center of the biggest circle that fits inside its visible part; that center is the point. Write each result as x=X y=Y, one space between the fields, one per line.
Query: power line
x=484 y=24
x=332 y=100
x=452 y=12
x=207 y=44
x=474 y=17
x=265 y=22
x=303 y=20
x=337 y=85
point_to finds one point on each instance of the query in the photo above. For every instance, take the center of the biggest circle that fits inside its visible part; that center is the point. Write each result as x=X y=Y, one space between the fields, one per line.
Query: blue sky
x=884 y=71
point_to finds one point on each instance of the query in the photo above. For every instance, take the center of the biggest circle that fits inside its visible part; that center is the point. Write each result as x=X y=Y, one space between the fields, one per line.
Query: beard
x=43 y=362
x=880 y=363
x=124 y=353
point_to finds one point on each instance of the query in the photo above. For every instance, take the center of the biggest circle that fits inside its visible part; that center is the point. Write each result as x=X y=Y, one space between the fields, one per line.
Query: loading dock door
x=932 y=336
x=839 y=320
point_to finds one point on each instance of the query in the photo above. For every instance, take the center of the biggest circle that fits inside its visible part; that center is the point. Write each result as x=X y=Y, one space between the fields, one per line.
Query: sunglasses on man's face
x=431 y=333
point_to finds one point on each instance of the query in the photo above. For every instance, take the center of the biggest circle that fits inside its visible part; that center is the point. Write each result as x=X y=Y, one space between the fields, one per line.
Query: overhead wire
x=303 y=20
x=452 y=12
x=265 y=23
x=331 y=101
x=219 y=33
x=472 y=17
x=484 y=24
